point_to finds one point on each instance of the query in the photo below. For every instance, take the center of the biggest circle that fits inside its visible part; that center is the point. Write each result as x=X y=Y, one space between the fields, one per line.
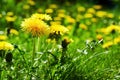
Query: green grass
x=81 y=60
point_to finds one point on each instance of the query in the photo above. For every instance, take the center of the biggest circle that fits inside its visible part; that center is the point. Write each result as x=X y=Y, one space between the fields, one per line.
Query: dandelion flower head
x=41 y=16
x=13 y=31
x=6 y=46
x=58 y=28
x=34 y=26
x=3 y=37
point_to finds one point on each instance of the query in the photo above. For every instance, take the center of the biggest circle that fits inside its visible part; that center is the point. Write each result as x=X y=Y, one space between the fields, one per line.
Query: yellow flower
x=13 y=31
x=62 y=15
x=101 y=14
x=26 y=6
x=70 y=19
x=79 y=17
x=69 y=40
x=81 y=9
x=110 y=15
x=34 y=26
x=107 y=44
x=88 y=15
x=31 y=2
x=10 y=19
x=102 y=30
x=58 y=28
x=99 y=37
x=61 y=11
x=3 y=37
x=111 y=42
x=10 y=13
x=57 y=18
x=94 y=19
x=53 y=6
x=41 y=16
x=49 y=10
x=117 y=40
x=91 y=10
x=97 y=6
x=6 y=46
x=83 y=26
x=40 y=10
x=112 y=28
x=69 y=27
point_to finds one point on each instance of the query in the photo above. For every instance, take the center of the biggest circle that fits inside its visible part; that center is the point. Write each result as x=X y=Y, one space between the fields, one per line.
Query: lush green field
x=52 y=40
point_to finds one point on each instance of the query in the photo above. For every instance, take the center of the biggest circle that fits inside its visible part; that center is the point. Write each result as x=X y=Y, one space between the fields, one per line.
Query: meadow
x=59 y=40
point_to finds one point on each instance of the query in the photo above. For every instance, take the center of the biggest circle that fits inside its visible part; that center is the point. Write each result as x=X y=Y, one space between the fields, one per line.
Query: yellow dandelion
x=102 y=30
x=91 y=10
x=3 y=37
x=79 y=17
x=26 y=6
x=107 y=44
x=69 y=27
x=62 y=15
x=70 y=19
x=13 y=31
x=88 y=15
x=34 y=26
x=110 y=15
x=81 y=9
x=83 y=26
x=53 y=6
x=6 y=46
x=58 y=28
x=49 y=11
x=97 y=7
x=94 y=19
x=41 y=16
x=57 y=18
x=10 y=13
x=99 y=37
x=10 y=19
x=112 y=28
x=101 y=14
x=31 y=2
x=116 y=40
x=40 y=10
x=68 y=40
x=61 y=11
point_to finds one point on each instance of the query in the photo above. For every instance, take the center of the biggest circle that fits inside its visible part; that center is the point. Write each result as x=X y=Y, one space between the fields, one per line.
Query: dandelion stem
x=38 y=44
x=33 y=54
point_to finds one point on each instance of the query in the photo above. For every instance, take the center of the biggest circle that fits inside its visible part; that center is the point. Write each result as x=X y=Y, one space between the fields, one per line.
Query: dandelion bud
x=9 y=57
x=65 y=43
